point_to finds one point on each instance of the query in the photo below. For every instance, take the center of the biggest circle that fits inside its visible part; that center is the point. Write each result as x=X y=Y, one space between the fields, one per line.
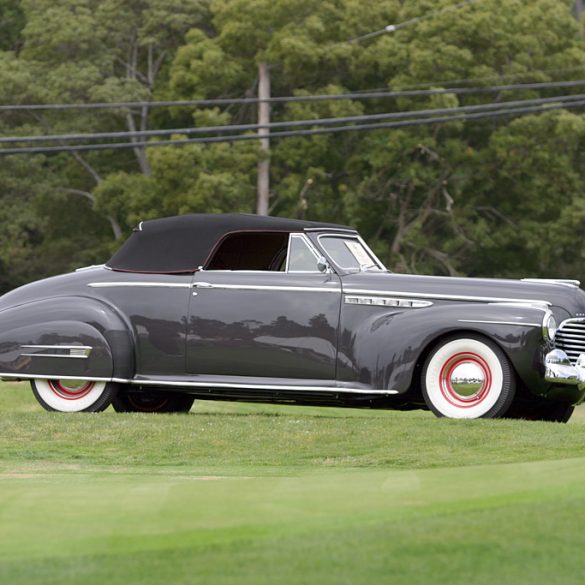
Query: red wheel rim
x=450 y=394
x=71 y=392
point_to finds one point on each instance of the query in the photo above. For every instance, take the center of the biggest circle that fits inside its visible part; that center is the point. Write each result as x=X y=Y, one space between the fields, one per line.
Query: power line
x=446 y=83
x=292 y=123
x=469 y=80
x=294 y=99
x=293 y=133
x=394 y=27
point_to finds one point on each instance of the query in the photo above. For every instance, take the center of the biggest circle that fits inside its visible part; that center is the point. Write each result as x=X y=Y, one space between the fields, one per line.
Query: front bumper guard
x=560 y=370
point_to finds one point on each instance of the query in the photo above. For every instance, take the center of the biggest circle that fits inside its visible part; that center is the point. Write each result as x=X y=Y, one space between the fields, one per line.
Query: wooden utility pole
x=579 y=14
x=263 y=119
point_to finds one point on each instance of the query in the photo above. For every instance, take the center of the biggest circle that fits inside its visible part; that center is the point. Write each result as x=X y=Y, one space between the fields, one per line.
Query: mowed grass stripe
x=443 y=525
x=229 y=438
x=236 y=493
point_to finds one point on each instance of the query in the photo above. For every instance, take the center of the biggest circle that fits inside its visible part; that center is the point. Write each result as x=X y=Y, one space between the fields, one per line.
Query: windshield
x=349 y=253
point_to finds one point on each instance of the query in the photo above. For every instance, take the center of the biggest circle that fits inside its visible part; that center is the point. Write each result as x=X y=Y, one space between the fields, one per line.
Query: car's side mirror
x=323 y=265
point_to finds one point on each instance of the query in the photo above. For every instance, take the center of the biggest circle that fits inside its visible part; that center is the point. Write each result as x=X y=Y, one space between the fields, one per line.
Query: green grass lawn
x=238 y=493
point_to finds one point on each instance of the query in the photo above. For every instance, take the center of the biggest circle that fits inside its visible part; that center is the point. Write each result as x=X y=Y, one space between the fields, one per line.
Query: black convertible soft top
x=185 y=242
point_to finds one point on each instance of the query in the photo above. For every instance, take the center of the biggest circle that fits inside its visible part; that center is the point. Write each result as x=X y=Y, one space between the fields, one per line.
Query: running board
x=207 y=384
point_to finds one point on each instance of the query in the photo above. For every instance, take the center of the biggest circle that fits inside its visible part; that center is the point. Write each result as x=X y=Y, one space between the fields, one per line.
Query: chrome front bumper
x=560 y=370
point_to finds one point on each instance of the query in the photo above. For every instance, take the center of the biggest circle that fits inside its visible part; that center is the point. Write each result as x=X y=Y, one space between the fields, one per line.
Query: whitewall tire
x=73 y=395
x=468 y=377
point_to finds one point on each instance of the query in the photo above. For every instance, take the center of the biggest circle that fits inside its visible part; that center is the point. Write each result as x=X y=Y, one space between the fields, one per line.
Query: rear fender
x=31 y=333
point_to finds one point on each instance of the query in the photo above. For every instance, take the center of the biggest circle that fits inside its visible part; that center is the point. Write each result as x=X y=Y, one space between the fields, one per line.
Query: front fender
x=381 y=347
x=30 y=334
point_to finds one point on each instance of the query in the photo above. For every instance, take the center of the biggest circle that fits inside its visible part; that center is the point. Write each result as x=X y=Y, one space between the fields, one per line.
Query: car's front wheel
x=152 y=401
x=73 y=395
x=468 y=377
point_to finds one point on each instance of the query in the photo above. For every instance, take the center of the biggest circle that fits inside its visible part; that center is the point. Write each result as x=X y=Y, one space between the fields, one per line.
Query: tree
x=83 y=51
x=419 y=192
x=11 y=24
x=464 y=197
x=112 y=50
x=529 y=198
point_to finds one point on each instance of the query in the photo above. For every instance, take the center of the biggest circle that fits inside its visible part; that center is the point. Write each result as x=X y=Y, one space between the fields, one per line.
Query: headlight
x=549 y=326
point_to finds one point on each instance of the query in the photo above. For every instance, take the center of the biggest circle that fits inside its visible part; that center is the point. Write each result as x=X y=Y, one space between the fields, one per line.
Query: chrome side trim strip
x=439 y=296
x=387 y=302
x=85 y=347
x=562 y=281
x=140 y=284
x=270 y=287
x=54 y=355
x=75 y=351
x=57 y=377
x=217 y=286
x=501 y=322
x=538 y=305
x=331 y=389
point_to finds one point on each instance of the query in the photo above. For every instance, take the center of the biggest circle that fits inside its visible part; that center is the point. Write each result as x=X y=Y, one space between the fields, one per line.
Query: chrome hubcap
x=467 y=379
x=71 y=389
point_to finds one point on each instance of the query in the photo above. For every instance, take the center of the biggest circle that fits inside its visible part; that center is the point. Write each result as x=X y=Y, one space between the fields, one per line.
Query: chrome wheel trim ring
x=465 y=380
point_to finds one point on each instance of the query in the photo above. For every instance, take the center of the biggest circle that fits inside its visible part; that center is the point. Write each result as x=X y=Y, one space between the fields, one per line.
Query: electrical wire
x=291 y=123
x=293 y=133
x=294 y=99
x=394 y=27
x=500 y=77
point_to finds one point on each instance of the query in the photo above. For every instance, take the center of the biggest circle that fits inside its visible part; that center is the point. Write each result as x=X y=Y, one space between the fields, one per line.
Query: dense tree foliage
x=500 y=197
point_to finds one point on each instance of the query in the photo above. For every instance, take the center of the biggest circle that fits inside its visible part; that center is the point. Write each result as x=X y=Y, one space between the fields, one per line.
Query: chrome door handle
x=202 y=285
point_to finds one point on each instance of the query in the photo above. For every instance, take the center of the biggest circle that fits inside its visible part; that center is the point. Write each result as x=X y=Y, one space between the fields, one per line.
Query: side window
x=300 y=256
x=250 y=251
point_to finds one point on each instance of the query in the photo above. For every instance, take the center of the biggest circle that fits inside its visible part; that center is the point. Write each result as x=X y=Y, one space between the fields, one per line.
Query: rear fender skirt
x=382 y=348
x=68 y=336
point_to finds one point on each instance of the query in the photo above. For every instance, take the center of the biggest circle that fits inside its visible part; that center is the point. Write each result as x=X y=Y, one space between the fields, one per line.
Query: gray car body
x=275 y=336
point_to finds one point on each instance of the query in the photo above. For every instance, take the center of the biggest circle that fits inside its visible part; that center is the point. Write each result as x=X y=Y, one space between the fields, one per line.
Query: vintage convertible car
x=243 y=307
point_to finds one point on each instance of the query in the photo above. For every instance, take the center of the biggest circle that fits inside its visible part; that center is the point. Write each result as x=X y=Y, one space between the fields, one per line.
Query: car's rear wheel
x=73 y=395
x=468 y=377
x=152 y=401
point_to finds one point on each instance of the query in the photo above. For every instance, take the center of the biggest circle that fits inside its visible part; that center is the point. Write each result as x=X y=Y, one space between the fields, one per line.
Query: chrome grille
x=571 y=338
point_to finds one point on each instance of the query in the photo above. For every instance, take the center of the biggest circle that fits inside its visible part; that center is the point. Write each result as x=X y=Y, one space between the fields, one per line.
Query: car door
x=156 y=308
x=280 y=322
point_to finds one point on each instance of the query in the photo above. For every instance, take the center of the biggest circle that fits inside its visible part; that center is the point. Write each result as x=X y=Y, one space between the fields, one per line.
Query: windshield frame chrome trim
x=345 y=269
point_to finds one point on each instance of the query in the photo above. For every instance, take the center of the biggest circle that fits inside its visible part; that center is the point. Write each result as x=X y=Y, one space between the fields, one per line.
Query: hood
x=563 y=297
